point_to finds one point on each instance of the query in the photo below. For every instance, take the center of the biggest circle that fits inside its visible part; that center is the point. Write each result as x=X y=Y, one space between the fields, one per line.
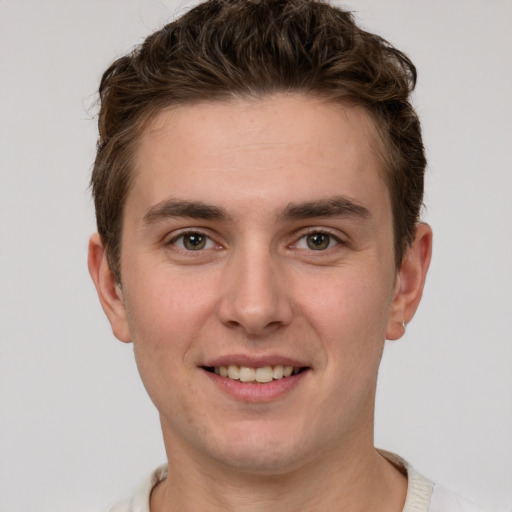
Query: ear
x=410 y=281
x=109 y=291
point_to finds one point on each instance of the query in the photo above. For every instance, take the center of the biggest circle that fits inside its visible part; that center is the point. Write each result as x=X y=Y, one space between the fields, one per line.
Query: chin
x=260 y=451
x=259 y=461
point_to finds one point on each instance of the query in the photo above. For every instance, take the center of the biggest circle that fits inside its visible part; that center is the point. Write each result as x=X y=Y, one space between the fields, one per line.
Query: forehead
x=301 y=145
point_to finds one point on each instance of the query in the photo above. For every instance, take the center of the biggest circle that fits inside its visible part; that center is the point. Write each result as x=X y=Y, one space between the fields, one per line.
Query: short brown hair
x=250 y=48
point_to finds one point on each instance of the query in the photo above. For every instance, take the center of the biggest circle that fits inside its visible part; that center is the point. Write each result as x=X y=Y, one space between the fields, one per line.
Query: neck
x=356 y=480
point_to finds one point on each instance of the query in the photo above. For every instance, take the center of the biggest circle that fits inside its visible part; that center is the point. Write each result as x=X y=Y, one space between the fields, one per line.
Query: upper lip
x=255 y=361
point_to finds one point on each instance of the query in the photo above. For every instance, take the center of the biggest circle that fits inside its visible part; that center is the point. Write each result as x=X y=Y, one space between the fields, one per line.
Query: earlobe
x=410 y=282
x=109 y=291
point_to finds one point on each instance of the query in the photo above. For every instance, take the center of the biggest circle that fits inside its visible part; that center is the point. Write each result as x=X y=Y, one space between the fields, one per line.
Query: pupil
x=318 y=241
x=194 y=241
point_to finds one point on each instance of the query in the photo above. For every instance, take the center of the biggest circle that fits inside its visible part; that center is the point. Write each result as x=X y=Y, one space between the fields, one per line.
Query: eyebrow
x=337 y=206
x=170 y=208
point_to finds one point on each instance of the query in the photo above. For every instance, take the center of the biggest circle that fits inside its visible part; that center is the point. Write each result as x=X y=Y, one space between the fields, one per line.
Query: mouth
x=260 y=375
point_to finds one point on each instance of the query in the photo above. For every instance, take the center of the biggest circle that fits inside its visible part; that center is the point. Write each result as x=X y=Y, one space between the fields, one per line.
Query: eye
x=193 y=241
x=317 y=241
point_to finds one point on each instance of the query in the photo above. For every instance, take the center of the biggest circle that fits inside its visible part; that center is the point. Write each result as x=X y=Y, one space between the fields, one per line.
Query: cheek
x=166 y=318
x=351 y=304
x=166 y=314
x=349 y=314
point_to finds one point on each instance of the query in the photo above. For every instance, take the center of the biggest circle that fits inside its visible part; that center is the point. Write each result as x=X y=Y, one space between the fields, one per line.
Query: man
x=257 y=185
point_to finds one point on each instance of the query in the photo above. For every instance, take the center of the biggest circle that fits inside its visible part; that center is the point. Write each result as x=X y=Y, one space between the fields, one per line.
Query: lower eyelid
x=178 y=241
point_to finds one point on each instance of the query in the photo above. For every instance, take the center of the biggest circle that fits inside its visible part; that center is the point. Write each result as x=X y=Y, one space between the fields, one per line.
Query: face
x=257 y=242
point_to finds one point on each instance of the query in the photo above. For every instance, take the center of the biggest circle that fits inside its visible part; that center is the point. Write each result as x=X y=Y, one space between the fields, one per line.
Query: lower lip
x=255 y=391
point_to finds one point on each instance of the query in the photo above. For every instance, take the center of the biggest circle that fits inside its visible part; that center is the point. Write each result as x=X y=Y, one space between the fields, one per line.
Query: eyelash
x=332 y=238
x=209 y=243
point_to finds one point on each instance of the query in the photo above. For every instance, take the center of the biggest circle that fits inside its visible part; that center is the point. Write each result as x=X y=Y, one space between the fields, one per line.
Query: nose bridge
x=254 y=297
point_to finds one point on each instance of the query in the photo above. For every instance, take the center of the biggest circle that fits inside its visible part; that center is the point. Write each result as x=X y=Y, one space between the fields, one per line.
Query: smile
x=260 y=375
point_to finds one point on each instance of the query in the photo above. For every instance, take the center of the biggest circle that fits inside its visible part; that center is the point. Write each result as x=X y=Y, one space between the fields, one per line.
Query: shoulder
x=425 y=496
x=444 y=500
x=139 y=501
x=122 y=506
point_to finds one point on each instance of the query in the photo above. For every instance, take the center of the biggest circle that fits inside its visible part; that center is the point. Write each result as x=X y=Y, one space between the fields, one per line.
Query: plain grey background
x=77 y=430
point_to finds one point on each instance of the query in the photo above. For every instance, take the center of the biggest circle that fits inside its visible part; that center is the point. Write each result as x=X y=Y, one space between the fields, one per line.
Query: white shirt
x=422 y=494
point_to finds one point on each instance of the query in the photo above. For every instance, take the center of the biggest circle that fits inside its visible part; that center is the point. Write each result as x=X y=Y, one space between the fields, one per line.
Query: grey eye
x=318 y=241
x=193 y=242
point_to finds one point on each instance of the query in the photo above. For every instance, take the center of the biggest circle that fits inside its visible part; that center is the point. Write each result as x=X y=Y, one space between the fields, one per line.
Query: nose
x=255 y=296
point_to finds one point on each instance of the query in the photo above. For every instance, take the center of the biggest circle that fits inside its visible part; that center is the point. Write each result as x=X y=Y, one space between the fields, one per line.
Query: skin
x=257 y=289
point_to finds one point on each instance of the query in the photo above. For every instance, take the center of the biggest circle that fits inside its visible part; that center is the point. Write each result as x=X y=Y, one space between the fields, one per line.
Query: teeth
x=262 y=375
x=233 y=372
x=246 y=374
x=278 y=372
